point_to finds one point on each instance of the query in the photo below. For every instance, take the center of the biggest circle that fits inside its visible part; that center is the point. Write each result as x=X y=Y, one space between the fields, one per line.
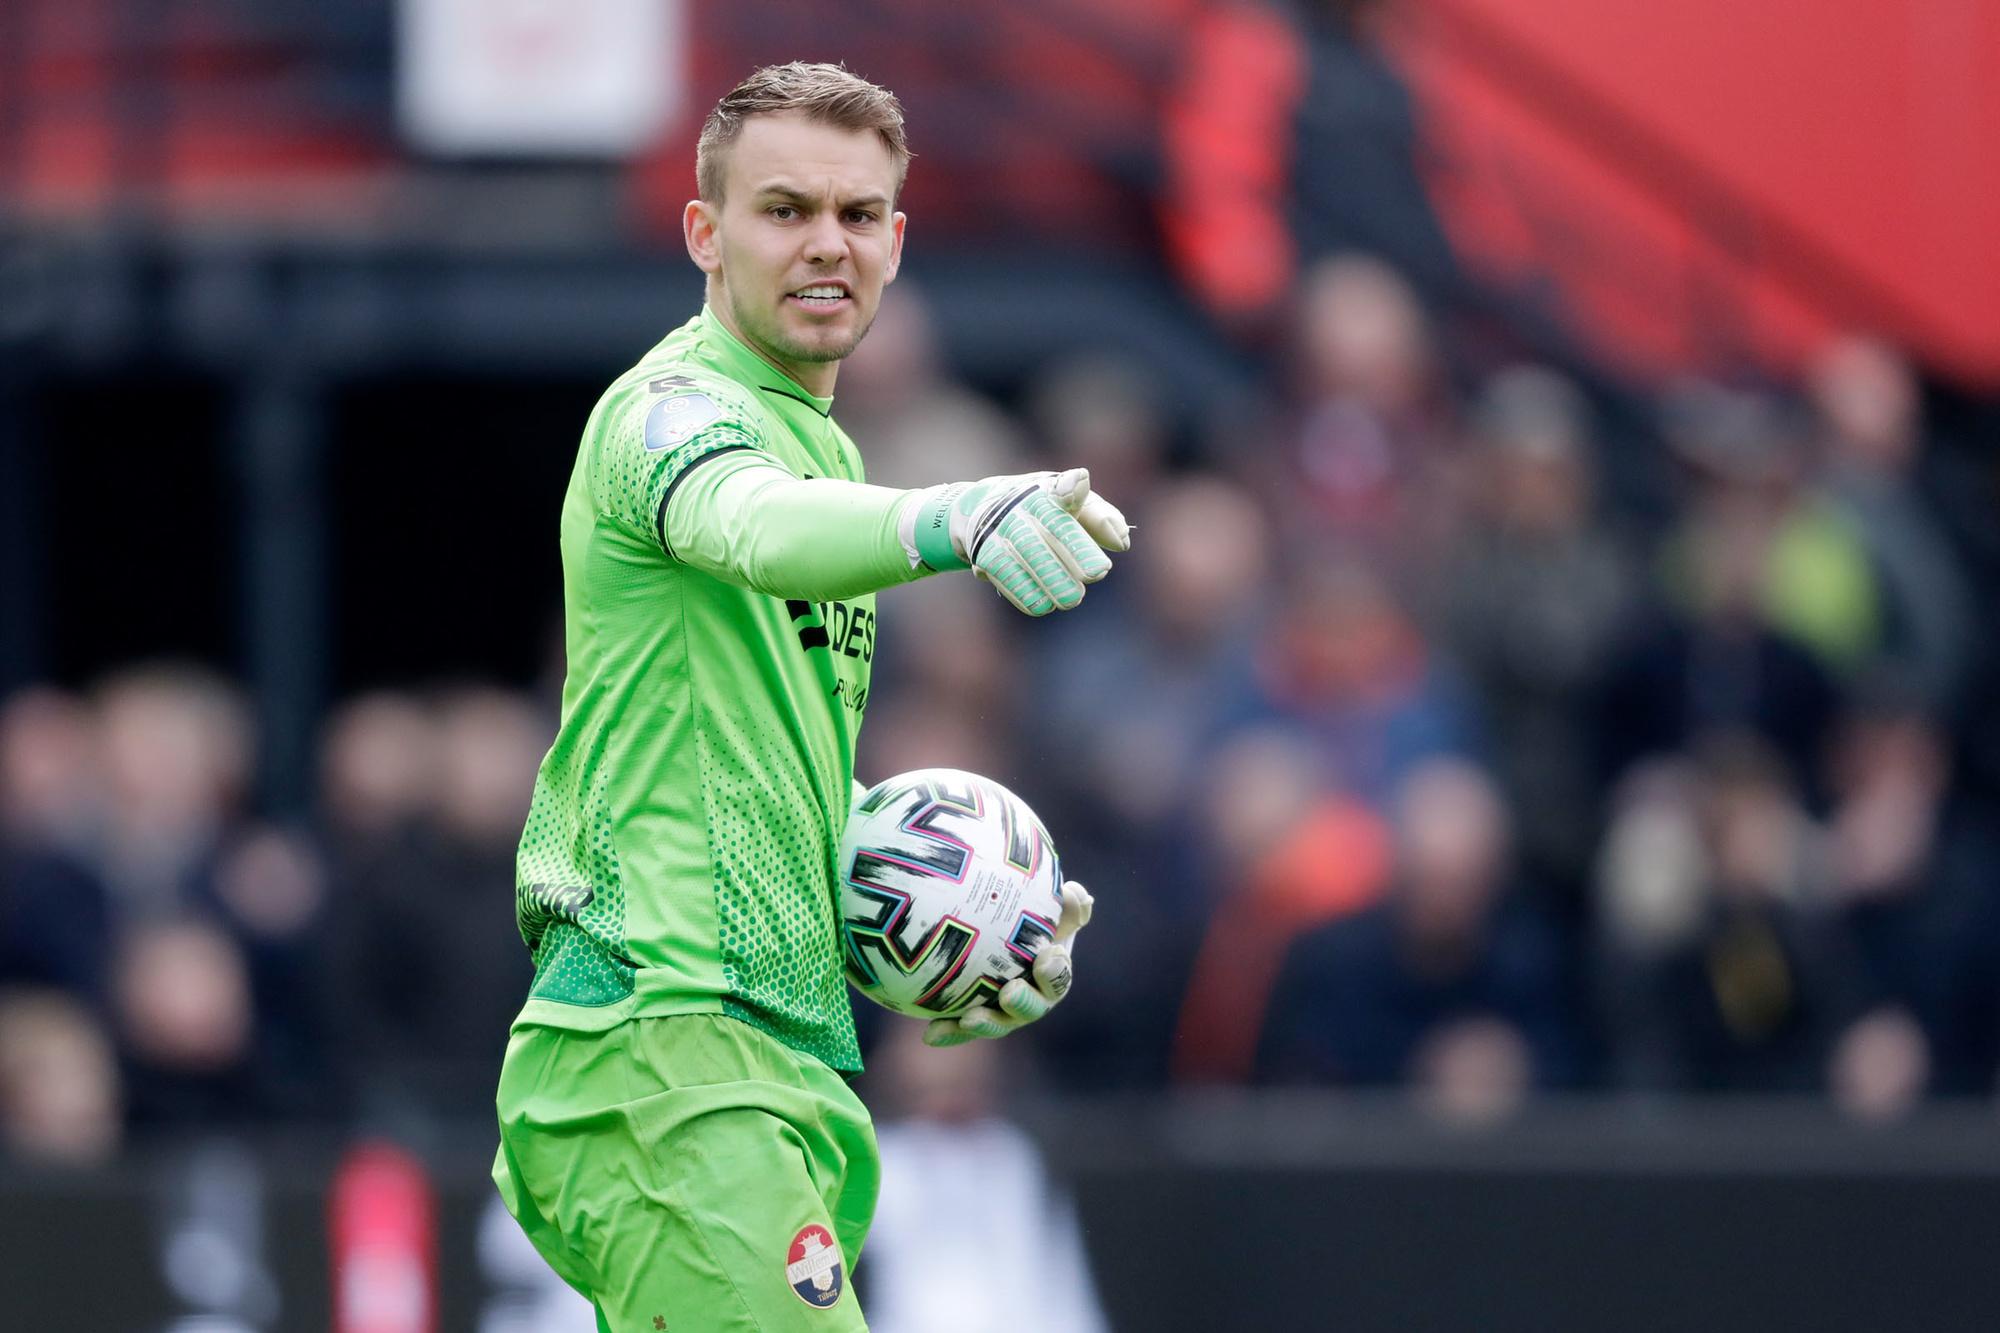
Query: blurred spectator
x=427 y=969
x=1754 y=505
x=1452 y=984
x=1909 y=868
x=948 y=1151
x=1349 y=668
x=954 y=649
x=378 y=759
x=924 y=731
x=490 y=745
x=1103 y=413
x=915 y=424
x=1472 y=1071
x=48 y=776
x=1133 y=705
x=1132 y=696
x=176 y=746
x=1536 y=604
x=271 y=885
x=186 y=1025
x=1871 y=435
x=1285 y=853
x=1372 y=461
x=946 y=687
x=273 y=893
x=1287 y=137
x=1761 y=594
x=176 y=848
x=1889 y=775
x=1880 y=1067
x=379 y=776
x=55 y=922
x=59 y=1089
x=1651 y=882
x=1724 y=970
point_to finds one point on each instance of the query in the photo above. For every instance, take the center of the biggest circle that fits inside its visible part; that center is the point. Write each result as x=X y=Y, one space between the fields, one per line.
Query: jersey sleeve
x=759 y=527
x=654 y=434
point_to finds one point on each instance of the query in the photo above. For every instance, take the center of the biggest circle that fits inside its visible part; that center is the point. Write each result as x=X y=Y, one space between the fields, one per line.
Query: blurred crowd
x=170 y=961
x=1402 y=752
x=1408 y=751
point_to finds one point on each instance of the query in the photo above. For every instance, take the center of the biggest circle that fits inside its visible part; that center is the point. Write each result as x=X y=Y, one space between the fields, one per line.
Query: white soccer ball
x=948 y=882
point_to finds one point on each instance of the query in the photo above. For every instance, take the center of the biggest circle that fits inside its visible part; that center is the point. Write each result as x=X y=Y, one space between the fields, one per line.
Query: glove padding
x=1038 y=537
x=1024 y=999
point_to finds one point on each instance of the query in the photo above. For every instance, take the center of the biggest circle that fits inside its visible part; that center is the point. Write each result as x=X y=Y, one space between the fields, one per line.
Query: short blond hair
x=827 y=94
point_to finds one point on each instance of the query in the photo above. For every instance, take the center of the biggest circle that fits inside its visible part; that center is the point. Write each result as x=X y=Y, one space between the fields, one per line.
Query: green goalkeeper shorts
x=688 y=1173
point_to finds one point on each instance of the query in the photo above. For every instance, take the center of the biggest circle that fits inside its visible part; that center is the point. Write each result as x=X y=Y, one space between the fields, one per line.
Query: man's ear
x=896 y=221
x=698 y=223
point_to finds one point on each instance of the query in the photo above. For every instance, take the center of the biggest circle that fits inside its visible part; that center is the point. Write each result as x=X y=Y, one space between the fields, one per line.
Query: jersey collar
x=746 y=365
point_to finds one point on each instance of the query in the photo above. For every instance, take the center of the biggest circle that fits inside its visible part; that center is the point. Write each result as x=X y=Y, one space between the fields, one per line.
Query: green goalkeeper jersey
x=679 y=852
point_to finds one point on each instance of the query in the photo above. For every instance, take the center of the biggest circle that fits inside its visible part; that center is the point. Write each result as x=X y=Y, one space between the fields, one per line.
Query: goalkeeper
x=677 y=1136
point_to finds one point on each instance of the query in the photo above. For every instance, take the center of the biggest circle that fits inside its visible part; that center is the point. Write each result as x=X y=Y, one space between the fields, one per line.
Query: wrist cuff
x=925 y=528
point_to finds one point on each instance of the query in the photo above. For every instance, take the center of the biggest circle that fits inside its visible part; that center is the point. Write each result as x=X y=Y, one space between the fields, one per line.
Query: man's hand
x=1038 y=537
x=1024 y=999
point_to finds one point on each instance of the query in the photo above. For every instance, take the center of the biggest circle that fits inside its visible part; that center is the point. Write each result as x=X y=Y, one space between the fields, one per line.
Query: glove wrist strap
x=925 y=528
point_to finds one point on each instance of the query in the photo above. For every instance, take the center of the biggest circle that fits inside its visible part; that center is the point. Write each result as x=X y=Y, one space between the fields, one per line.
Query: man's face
x=803 y=241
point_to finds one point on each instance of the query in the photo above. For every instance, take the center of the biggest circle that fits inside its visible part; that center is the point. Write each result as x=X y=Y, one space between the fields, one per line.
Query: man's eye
x=783 y=212
x=860 y=217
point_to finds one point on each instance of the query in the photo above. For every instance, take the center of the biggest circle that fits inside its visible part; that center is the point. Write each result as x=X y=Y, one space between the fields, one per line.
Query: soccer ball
x=948 y=883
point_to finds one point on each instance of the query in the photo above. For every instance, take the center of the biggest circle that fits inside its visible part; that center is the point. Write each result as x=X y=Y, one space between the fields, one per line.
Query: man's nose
x=826 y=240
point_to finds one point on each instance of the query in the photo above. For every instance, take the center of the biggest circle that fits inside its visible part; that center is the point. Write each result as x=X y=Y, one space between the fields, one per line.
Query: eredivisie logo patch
x=812 y=1266
x=674 y=420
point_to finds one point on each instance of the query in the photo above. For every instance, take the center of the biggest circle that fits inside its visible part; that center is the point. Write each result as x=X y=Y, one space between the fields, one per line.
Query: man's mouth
x=821 y=296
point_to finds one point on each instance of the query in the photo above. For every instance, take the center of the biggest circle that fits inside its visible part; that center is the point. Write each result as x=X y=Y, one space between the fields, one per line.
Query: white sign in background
x=577 y=78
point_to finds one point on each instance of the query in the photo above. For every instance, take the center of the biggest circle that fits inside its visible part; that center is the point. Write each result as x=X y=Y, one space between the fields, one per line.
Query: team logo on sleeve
x=813 y=1268
x=674 y=420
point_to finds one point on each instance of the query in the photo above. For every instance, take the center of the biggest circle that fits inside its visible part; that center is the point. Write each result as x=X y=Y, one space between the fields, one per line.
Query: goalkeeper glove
x=1035 y=537
x=1024 y=999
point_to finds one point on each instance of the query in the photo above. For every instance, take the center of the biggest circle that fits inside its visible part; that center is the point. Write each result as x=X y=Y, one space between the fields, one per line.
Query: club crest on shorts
x=813 y=1267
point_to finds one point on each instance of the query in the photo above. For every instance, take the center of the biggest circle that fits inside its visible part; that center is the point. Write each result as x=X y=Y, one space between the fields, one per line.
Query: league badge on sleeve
x=674 y=420
x=813 y=1267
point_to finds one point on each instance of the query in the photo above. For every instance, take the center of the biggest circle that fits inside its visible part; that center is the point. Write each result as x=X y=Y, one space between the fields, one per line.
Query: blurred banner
x=583 y=78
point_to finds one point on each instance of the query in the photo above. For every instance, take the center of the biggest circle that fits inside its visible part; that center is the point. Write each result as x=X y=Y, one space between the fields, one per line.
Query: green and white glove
x=1038 y=537
x=1024 y=999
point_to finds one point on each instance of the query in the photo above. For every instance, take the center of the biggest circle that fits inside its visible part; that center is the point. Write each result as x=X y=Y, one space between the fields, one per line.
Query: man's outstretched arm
x=1038 y=538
